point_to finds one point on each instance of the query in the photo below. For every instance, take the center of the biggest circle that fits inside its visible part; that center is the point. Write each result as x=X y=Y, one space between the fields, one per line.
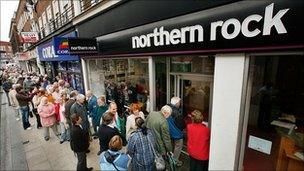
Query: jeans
x=65 y=135
x=82 y=161
x=25 y=116
x=47 y=131
x=178 y=145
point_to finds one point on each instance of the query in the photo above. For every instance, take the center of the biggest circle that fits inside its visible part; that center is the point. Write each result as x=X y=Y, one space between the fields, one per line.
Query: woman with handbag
x=141 y=148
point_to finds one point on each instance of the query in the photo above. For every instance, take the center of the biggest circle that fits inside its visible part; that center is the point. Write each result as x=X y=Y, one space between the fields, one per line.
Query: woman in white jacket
x=135 y=112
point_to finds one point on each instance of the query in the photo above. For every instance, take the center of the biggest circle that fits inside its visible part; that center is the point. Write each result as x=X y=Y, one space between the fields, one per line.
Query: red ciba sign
x=29 y=37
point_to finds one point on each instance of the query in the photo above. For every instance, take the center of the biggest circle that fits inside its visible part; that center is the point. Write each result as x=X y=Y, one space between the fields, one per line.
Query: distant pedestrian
x=7 y=85
x=198 y=143
x=23 y=101
x=46 y=111
x=14 y=101
x=140 y=146
x=79 y=142
x=113 y=158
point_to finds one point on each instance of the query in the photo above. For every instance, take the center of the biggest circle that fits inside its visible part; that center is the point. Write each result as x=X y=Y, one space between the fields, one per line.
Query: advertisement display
x=29 y=37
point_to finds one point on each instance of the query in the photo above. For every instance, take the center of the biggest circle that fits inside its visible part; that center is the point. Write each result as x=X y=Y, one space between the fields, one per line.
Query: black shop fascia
x=244 y=26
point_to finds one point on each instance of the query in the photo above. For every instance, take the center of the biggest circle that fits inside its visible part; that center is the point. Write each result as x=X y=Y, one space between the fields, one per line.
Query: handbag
x=160 y=163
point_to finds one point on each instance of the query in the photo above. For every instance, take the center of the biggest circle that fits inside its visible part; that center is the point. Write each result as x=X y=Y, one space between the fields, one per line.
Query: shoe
x=99 y=152
x=88 y=151
x=179 y=163
x=95 y=137
x=17 y=119
x=29 y=128
x=61 y=141
x=46 y=138
x=90 y=168
x=39 y=127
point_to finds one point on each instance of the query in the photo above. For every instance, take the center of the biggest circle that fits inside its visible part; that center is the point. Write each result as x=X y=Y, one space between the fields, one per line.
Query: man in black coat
x=67 y=108
x=79 y=142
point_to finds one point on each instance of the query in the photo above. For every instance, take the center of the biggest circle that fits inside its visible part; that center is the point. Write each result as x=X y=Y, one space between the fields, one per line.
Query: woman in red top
x=198 y=142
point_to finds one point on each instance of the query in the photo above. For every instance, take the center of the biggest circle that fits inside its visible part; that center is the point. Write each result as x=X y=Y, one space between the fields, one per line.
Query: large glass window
x=123 y=80
x=275 y=129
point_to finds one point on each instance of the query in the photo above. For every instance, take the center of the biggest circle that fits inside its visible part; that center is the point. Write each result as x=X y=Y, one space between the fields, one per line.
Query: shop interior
x=275 y=128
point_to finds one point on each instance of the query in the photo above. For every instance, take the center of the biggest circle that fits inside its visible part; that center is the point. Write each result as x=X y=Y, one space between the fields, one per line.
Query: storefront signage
x=72 y=45
x=81 y=45
x=236 y=27
x=161 y=37
x=47 y=52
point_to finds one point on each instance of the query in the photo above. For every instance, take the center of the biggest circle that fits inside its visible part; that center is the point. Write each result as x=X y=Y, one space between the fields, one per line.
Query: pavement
x=27 y=149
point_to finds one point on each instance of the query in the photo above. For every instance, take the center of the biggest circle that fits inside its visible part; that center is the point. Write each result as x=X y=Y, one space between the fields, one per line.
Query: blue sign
x=61 y=46
x=46 y=51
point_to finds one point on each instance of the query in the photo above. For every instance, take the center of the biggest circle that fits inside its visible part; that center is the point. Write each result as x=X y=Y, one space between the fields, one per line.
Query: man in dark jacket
x=79 y=142
x=79 y=108
x=23 y=100
x=67 y=108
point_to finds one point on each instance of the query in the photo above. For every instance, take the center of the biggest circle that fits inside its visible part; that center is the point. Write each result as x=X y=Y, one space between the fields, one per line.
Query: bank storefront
x=216 y=59
x=67 y=67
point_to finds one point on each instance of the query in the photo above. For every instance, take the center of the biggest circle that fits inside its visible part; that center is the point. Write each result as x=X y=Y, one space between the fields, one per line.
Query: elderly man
x=79 y=108
x=113 y=110
x=156 y=121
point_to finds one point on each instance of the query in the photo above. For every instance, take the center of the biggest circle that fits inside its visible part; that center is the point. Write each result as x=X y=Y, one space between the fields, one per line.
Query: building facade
x=238 y=62
x=217 y=56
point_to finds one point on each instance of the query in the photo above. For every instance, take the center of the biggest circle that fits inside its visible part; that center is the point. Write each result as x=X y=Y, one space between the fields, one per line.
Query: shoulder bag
x=159 y=161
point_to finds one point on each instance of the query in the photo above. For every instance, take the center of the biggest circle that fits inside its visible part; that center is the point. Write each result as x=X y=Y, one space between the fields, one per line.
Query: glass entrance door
x=195 y=92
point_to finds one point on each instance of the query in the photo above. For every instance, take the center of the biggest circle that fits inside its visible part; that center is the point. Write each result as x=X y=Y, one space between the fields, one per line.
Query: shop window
x=127 y=77
x=192 y=64
x=275 y=129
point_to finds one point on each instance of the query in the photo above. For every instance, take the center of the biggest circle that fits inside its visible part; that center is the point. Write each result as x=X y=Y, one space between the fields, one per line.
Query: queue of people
x=79 y=119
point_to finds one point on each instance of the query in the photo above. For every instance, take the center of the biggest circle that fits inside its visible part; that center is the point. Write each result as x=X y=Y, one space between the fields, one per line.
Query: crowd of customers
x=80 y=118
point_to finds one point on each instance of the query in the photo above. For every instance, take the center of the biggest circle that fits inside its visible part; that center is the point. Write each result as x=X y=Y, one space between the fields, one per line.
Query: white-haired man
x=79 y=108
x=156 y=121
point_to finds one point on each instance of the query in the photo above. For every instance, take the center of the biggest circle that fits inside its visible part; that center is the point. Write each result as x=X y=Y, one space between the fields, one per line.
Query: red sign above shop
x=29 y=37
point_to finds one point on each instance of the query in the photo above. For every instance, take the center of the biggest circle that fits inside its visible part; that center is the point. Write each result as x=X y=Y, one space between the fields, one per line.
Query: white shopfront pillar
x=85 y=74
x=226 y=111
x=152 y=84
